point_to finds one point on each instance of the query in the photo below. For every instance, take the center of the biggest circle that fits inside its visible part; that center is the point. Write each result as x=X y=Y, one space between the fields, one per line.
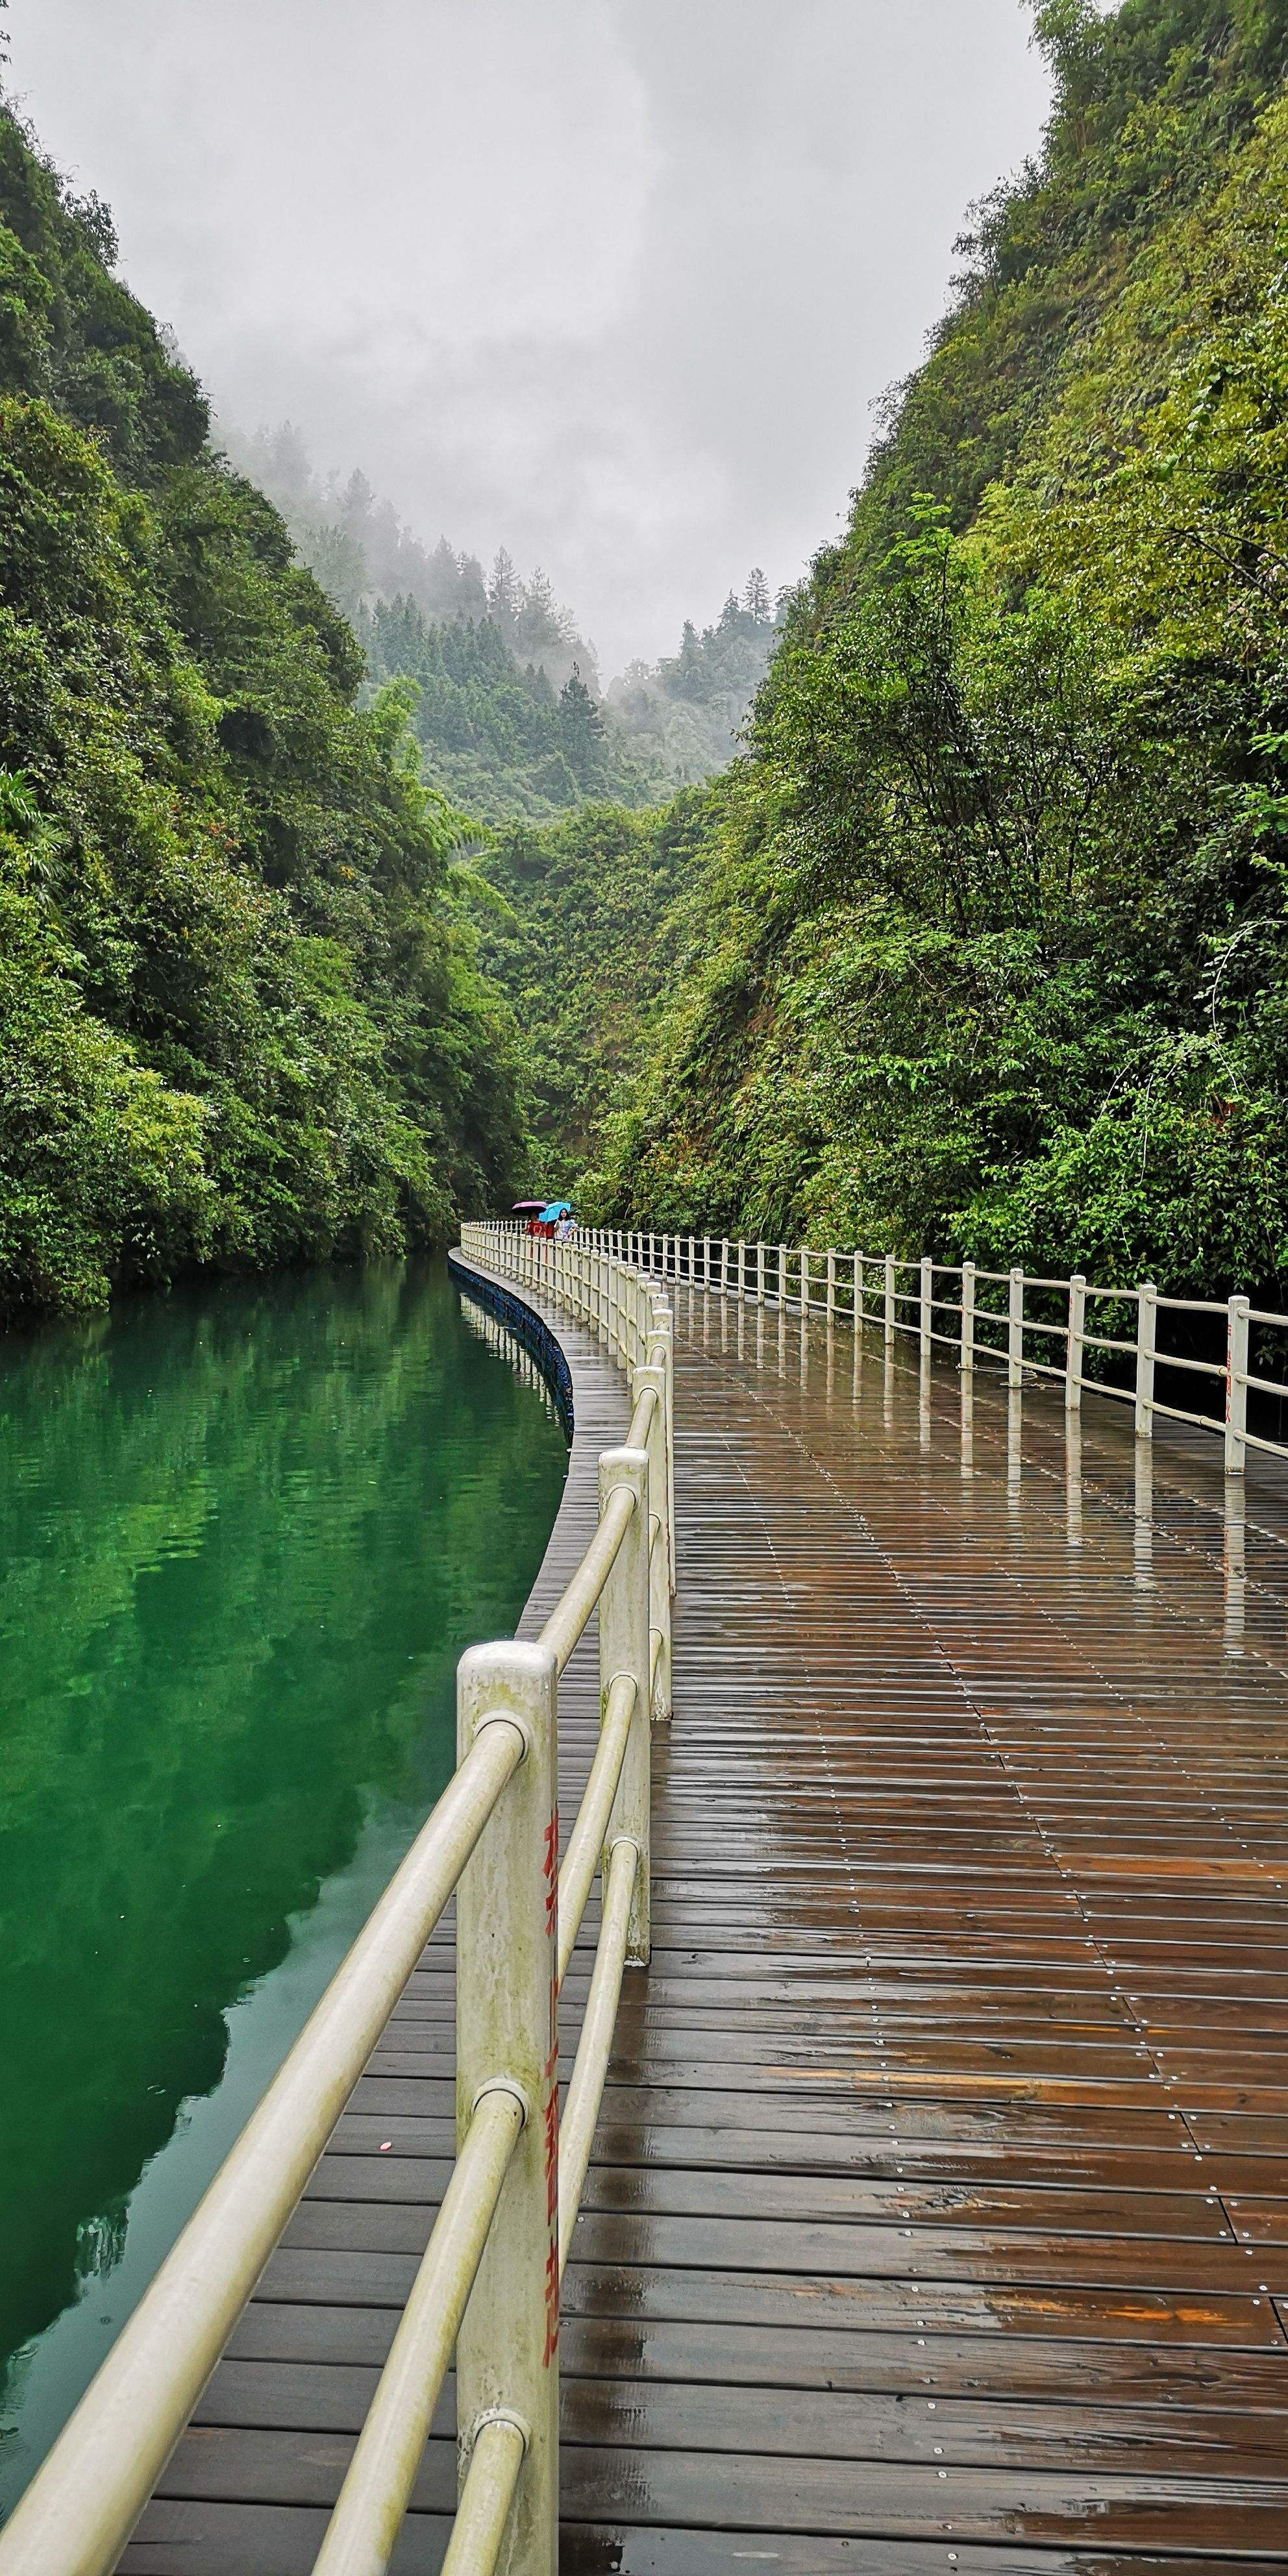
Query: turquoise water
x=244 y=1534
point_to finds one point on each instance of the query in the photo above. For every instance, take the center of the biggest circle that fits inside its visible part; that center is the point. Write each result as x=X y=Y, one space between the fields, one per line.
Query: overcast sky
x=614 y=282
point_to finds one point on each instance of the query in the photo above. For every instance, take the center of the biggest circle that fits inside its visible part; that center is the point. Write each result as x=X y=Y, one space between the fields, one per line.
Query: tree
x=581 y=729
x=444 y=581
x=356 y=504
x=505 y=590
x=473 y=590
x=755 y=598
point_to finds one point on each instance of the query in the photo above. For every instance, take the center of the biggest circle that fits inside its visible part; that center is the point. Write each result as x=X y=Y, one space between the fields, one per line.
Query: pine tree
x=581 y=730
x=355 y=508
x=444 y=581
x=505 y=590
x=472 y=601
x=755 y=598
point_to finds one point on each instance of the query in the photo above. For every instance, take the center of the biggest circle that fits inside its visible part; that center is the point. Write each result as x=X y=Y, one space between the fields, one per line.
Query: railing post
x=662 y=1355
x=1236 y=1385
x=889 y=1298
x=742 y=1267
x=1073 y=1348
x=926 y=1304
x=506 y=2039
x=1146 y=1345
x=804 y=1280
x=831 y=1284
x=624 y=1648
x=859 y=1316
x=658 y=1693
x=782 y=1278
x=1015 y=1329
x=760 y=1274
x=968 y=1314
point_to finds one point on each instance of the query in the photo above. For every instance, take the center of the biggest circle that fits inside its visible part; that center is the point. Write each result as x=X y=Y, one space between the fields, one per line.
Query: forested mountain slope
x=989 y=953
x=240 y=1017
x=685 y=713
x=585 y=941
x=493 y=732
x=508 y=708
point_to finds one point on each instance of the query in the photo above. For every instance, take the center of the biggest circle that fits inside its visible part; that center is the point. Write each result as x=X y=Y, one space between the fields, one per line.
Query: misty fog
x=614 y=286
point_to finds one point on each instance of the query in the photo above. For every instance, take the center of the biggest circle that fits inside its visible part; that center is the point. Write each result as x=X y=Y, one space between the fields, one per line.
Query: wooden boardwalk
x=939 y=2217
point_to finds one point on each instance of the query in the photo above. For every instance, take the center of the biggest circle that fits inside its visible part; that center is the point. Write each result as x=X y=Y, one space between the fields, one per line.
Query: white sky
x=613 y=282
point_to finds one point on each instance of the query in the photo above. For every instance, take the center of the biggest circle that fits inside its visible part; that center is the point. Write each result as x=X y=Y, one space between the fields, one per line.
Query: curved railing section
x=1010 y=1316
x=488 y=2284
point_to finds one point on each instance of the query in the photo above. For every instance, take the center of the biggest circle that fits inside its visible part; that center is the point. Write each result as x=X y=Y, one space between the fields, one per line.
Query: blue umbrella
x=557 y=1208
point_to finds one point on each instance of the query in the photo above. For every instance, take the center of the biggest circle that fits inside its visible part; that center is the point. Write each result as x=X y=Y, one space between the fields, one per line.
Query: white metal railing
x=989 y=1314
x=488 y=2284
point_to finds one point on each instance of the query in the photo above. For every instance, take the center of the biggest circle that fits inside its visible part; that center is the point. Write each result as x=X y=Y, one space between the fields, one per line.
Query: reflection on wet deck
x=939 y=2216
x=960 y=2084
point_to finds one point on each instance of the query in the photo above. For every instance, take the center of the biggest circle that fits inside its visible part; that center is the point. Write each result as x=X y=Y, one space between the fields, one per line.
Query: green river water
x=244 y=1534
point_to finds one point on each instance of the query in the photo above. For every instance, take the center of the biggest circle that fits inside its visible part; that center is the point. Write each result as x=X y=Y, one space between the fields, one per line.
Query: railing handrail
x=488 y=2283
x=866 y=1286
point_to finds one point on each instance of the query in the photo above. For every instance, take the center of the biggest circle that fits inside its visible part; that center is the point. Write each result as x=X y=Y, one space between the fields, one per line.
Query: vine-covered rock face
x=988 y=948
x=240 y=1017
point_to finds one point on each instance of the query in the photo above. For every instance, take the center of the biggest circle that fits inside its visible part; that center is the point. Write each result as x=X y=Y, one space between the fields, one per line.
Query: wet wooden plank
x=243 y=2539
x=797 y=2423
x=905 y=2250
x=735 y=2491
x=673 y=2188
x=939 y=2211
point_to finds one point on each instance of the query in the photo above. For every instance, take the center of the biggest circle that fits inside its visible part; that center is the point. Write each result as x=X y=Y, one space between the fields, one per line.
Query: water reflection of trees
x=243 y=1535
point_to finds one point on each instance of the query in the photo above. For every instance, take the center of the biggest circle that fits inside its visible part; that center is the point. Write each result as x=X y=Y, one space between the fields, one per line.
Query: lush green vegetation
x=493 y=731
x=684 y=714
x=508 y=709
x=988 y=946
x=241 y=1019
x=982 y=944
x=585 y=941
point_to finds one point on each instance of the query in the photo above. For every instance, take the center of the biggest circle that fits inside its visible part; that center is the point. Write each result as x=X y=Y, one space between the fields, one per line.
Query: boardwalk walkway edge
x=487 y=2285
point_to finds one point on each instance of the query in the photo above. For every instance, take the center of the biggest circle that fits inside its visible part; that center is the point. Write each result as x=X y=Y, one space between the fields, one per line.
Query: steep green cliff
x=240 y=1017
x=989 y=950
